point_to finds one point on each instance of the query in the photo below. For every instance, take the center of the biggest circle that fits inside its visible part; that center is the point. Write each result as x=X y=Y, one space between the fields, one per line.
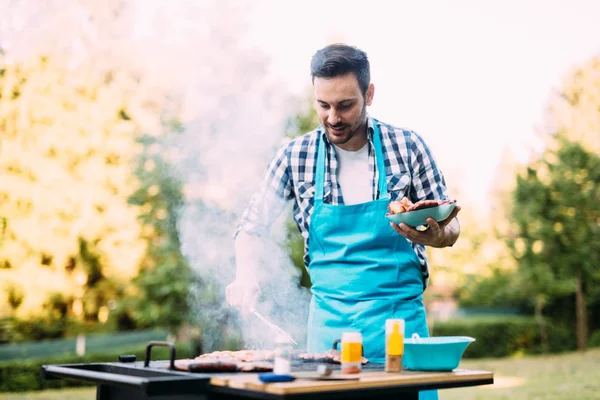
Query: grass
x=556 y=377
x=61 y=394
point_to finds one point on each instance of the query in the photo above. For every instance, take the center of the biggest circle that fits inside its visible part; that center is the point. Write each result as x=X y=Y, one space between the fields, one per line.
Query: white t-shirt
x=354 y=176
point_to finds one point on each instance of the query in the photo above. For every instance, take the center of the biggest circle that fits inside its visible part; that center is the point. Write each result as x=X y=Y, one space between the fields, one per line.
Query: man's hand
x=242 y=295
x=438 y=234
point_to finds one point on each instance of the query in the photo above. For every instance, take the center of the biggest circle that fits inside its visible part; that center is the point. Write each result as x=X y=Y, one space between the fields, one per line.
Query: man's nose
x=333 y=118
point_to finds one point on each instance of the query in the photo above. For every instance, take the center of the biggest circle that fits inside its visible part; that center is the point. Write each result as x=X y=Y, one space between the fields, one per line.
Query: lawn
x=567 y=376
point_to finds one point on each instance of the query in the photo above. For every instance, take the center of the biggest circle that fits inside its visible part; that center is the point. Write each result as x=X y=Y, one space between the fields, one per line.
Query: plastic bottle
x=283 y=356
x=351 y=352
x=394 y=345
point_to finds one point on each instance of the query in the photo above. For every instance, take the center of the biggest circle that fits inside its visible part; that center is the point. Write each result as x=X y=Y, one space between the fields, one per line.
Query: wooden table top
x=367 y=380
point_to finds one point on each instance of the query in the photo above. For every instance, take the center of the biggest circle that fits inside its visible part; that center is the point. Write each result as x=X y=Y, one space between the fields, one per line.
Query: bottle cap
x=351 y=337
x=389 y=326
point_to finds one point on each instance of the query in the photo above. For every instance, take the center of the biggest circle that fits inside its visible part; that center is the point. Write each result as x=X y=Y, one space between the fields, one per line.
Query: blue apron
x=362 y=271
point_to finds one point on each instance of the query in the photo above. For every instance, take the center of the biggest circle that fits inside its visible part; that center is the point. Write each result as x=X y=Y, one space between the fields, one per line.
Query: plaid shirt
x=410 y=169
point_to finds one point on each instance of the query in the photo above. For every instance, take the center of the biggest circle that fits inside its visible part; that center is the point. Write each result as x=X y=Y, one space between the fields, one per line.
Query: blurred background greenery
x=92 y=201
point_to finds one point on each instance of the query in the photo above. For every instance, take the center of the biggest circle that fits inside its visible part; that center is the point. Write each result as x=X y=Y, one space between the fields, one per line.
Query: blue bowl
x=441 y=353
x=419 y=217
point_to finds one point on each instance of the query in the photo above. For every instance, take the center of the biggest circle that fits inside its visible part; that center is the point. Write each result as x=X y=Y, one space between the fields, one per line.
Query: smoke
x=191 y=56
x=235 y=119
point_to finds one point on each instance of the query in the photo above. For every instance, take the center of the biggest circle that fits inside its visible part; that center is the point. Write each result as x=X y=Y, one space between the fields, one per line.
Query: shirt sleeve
x=267 y=204
x=428 y=182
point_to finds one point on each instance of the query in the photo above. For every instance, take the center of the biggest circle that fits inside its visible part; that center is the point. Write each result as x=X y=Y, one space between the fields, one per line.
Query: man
x=342 y=177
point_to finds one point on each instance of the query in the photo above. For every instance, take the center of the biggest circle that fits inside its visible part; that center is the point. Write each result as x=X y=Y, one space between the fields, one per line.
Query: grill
x=136 y=380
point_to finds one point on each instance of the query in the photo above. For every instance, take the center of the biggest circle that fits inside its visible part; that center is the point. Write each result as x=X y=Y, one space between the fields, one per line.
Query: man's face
x=342 y=110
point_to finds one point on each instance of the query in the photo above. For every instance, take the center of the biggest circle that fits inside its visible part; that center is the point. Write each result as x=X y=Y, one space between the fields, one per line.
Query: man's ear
x=370 y=94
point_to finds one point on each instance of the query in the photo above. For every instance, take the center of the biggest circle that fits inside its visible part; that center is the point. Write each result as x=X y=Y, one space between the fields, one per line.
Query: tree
x=67 y=138
x=557 y=216
x=72 y=101
x=573 y=119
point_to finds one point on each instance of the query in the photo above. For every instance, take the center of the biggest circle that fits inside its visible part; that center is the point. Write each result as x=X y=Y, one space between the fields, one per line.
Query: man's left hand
x=438 y=234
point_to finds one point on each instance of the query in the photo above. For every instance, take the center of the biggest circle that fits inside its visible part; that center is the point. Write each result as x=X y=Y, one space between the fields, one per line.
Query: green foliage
x=40 y=328
x=595 y=339
x=15 y=296
x=491 y=291
x=296 y=247
x=305 y=121
x=557 y=210
x=163 y=285
x=3 y=225
x=505 y=336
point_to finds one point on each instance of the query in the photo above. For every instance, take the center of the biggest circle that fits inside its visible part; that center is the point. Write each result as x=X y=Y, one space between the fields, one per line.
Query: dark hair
x=340 y=59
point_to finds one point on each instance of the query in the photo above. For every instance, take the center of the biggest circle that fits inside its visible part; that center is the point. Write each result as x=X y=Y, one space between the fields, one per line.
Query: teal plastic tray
x=442 y=353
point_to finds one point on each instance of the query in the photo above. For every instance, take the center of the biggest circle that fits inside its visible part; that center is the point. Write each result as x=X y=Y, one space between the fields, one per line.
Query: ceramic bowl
x=419 y=217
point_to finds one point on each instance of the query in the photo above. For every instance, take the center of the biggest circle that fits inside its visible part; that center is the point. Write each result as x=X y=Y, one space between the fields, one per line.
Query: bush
x=505 y=336
x=66 y=347
x=25 y=376
x=595 y=339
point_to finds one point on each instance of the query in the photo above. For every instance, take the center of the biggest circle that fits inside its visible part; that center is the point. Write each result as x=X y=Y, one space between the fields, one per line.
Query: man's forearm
x=248 y=250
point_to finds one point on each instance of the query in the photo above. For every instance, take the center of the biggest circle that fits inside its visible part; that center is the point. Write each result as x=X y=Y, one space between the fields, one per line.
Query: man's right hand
x=242 y=295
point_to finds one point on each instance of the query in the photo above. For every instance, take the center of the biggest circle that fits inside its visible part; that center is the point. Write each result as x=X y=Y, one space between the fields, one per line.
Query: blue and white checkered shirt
x=410 y=169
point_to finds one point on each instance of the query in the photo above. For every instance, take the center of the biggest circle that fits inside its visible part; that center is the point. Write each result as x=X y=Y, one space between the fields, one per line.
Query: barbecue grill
x=128 y=379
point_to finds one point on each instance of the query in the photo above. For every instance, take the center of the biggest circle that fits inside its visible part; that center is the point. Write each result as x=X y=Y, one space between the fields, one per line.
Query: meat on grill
x=239 y=355
x=250 y=361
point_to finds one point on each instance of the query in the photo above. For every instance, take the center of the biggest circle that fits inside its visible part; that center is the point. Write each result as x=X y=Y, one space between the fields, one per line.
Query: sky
x=471 y=77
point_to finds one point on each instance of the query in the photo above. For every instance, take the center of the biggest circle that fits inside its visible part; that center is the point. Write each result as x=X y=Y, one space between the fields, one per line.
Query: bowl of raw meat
x=416 y=214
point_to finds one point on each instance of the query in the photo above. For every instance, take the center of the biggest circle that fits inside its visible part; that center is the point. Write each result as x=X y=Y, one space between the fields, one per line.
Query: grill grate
x=297 y=366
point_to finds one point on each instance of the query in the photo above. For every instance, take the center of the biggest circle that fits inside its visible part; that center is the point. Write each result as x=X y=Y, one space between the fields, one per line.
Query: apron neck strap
x=322 y=155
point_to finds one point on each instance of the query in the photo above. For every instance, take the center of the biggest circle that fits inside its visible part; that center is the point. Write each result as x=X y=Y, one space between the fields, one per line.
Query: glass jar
x=351 y=352
x=283 y=356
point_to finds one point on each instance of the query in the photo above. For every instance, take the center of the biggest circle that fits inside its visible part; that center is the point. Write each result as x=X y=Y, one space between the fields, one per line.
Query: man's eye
x=345 y=106
x=324 y=106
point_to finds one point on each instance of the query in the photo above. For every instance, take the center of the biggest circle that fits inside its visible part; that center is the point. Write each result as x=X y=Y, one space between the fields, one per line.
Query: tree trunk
x=539 y=317
x=580 y=314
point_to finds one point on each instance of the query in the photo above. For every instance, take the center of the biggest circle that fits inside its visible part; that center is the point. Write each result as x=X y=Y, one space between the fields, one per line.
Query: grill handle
x=171 y=346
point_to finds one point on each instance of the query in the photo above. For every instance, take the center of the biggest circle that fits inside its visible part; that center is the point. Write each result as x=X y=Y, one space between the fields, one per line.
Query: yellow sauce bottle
x=394 y=345
x=351 y=352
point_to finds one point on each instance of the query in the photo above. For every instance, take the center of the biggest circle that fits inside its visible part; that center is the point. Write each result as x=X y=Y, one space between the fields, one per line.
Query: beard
x=342 y=133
